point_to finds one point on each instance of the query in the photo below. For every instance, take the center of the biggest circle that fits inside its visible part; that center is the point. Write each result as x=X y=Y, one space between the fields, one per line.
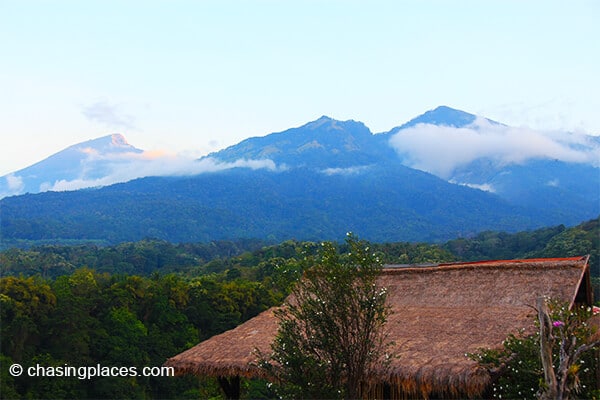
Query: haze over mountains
x=443 y=174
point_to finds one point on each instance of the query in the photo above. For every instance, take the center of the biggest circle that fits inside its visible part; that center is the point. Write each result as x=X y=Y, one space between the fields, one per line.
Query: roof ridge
x=546 y=262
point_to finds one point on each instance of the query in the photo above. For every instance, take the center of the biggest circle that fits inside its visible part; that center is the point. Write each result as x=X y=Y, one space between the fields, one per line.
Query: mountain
x=87 y=161
x=444 y=174
x=556 y=171
x=442 y=115
x=324 y=143
x=376 y=203
x=522 y=166
x=568 y=190
x=328 y=143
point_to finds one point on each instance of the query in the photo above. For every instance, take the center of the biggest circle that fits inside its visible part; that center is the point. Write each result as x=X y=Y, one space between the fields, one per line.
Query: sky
x=191 y=77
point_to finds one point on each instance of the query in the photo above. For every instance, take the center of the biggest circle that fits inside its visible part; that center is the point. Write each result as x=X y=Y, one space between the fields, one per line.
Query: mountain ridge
x=241 y=203
x=326 y=177
x=325 y=142
x=310 y=144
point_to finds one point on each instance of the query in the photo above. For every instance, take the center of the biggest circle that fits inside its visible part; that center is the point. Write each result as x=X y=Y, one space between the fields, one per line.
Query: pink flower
x=595 y=310
x=557 y=324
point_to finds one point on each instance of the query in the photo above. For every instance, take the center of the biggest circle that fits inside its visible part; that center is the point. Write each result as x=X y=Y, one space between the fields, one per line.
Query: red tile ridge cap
x=516 y=261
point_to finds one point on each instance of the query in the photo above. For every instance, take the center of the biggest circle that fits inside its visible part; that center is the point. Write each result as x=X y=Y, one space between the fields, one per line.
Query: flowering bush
x=517 y=369
x=331 y=336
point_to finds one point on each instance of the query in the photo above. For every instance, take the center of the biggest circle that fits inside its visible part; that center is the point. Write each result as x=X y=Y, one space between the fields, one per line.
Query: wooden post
x=597 y=365
x=230 y=386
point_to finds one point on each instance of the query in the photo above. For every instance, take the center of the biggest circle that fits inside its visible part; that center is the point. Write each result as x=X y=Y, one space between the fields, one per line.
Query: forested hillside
x=380 y=203
x=138 y=303
x=148 y=256
x=133 y=258
x=556 y=241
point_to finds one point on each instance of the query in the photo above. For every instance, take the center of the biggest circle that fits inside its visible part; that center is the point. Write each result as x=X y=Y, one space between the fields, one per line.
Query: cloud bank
x=99 y=169
x=442 y=149
x=128 y=166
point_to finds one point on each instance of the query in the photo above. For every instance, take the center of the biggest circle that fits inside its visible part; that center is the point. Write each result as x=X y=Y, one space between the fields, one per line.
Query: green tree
x=25 y=306
x=75 y=329
x=331 y=333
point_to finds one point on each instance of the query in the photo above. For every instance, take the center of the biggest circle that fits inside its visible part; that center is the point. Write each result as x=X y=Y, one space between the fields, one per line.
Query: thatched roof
x=440 y=313
x=230 y=353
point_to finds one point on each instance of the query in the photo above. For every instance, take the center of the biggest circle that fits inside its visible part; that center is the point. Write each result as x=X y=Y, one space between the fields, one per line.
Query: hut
x=439 y=313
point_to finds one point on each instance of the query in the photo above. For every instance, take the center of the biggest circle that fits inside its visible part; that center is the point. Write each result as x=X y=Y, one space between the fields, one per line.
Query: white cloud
x=486 y=187
x=128 y=166
x=345 y=171
x=14 y=183
x=441 y=149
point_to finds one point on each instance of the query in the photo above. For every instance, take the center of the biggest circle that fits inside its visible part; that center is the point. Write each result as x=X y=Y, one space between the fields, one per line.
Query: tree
x=331 y=335
x=568 y=332
x=25 y=306
x=555 y=362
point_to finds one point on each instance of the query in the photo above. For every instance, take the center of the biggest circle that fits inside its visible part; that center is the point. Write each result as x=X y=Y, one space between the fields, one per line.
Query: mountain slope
x=555 y=171
x=378 y=204
x=569 y=190
x=89 y=160
x=324 y=143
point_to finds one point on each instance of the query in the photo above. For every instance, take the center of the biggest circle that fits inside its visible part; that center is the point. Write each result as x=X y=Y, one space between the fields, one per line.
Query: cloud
x=345 y=171
x=109 y=115
x=486 y=187
x=124 y=167
x=441 y=149
x=14 y=183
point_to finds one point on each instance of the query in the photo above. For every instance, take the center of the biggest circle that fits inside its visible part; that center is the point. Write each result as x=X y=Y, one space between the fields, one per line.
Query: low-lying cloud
x=99 y=169
x=486 y=187
x=155 y=164
x=442 y=149
x=346 y=171
x=14 y=183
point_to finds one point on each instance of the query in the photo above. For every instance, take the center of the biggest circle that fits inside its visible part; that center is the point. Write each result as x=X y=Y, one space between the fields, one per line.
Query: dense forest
x=136 y=304
x=152 y=255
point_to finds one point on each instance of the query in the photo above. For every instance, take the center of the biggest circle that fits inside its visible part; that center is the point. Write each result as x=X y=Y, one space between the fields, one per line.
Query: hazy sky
x=197 y=76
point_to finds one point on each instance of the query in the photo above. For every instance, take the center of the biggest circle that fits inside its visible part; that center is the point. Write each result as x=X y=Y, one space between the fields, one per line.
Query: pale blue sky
x=197 y=76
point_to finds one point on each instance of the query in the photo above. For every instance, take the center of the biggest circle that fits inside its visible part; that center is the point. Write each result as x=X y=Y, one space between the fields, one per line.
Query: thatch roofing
x=440 y=313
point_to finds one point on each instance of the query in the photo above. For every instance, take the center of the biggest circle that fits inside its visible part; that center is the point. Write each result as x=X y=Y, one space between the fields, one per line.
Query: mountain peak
x=323 y=120
x=330 y=124
x=443 y=115
x=325 y=142
x=119 y=140
x=89 y=160
x=108 y=143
